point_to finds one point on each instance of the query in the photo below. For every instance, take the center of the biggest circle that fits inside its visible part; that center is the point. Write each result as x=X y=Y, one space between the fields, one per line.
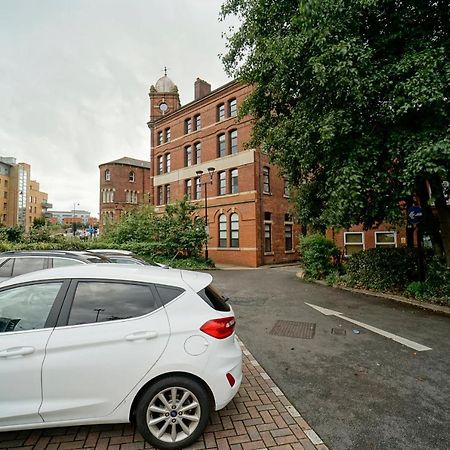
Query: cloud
x=74 y=80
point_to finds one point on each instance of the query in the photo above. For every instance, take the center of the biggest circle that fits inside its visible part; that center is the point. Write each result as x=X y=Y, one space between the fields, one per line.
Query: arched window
x=131 y=177
x=234 y=230
x=222 y=230
x=107 y=175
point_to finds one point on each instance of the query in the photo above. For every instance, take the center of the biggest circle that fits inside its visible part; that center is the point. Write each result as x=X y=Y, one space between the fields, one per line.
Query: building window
x=385 y=239
x=167 y=134
x=233 y=142
x=167 y=194
x=198 y=153
x=222 y=183
x=353 y=242
x=167 y=162
x=160 y=195
x=220 y=112
x=107 y=175
x=160 y=137
x=188 y=189
x=131 y=196
x=197 y=122
x=187 y=126
x=234 y=181
x=287 y=189
x=160 y=165
x=221 y=150
x=288 y=243
x=131 y=177
x=266 y=180
x=222 y=230
x=198 y=189
x=267 y=237
x=234 y=230
x=188 y=156
x=232 y=108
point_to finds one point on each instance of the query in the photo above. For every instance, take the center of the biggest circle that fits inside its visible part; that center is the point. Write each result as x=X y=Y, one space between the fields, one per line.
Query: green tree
x=39 y=222
x=351 y=99
x=176 y=232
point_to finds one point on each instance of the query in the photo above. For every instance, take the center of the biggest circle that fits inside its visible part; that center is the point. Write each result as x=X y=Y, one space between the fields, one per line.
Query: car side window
x=168 y=293
x=6 y=268
x=96 y=301
x=27 y=307
x=26 y=265
x=64 y=262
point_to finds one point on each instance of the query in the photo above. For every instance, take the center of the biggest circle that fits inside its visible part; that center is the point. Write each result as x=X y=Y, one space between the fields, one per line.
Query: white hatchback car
x=111 y=343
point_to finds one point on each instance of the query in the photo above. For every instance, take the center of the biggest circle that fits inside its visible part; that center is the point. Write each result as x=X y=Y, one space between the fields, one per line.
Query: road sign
x=414 y=215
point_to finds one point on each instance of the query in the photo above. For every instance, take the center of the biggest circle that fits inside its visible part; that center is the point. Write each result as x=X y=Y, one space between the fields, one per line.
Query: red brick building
x=124 y=183
x=200 y=146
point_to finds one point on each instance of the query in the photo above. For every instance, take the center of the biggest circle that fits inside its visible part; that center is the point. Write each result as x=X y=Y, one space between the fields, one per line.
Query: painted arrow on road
x=394 y=337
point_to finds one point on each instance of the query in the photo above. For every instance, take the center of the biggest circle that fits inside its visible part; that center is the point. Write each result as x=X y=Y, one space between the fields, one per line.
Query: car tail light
x=230 y=379
x=219 y=328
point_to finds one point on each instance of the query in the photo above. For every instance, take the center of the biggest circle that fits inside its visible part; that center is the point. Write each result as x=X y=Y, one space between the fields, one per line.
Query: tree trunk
x=443 y=214
x=430 y=222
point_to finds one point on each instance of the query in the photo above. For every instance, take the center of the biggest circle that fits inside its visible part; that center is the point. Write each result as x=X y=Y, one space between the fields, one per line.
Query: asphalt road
x=358 y=390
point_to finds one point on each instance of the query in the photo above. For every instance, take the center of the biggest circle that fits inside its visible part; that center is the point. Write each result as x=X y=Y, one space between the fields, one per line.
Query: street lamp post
x=73 y=217
x=211 y=173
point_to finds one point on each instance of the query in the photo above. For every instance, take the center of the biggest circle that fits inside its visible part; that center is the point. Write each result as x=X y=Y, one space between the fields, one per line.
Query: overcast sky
x=75 y=76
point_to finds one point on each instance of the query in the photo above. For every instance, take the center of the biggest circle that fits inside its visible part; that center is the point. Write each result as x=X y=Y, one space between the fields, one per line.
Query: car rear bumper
x=226 y=359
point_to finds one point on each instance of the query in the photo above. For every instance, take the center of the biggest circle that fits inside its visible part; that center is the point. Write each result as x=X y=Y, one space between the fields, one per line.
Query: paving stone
x=259 y=418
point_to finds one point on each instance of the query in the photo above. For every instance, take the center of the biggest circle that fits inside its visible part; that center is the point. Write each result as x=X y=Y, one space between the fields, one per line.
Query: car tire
x=173 y=412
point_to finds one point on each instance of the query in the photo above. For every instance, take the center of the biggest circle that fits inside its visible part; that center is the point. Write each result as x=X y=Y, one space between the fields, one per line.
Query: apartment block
x=21 y=200
x=199 y=150
x=124 y=183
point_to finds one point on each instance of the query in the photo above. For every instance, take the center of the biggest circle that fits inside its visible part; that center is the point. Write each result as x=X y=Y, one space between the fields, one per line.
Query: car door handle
x=141 y=335
x=16 y=351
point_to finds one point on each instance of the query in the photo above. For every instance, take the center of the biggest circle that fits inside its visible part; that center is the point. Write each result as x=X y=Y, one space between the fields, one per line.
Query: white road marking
x=394 y=337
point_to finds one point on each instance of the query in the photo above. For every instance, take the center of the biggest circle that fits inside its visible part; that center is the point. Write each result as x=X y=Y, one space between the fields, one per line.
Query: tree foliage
x=176 y=232
x=352 y=99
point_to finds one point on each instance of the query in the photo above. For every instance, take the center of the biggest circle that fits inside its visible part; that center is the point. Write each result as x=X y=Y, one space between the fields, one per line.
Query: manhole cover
x=288 y=328
x=338 y=331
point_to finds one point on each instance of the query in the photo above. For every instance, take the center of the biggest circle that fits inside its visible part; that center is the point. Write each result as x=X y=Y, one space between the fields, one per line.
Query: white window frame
x=385 y=244
x=354 y=243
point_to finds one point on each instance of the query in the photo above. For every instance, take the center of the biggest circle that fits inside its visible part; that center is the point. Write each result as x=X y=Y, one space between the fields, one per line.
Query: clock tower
x=164 y=98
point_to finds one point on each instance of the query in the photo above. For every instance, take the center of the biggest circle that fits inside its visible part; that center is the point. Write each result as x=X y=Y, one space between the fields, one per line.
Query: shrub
x=318 y=255
x=176 y=232
x=382 y=269
x=436 y=287
x=416 y=289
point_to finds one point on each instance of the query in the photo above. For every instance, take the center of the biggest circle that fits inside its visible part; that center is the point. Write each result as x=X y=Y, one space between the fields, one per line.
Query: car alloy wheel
x=173 y=413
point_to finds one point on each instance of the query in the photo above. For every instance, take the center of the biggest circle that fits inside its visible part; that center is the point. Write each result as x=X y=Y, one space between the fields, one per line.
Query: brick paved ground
x=259 y=417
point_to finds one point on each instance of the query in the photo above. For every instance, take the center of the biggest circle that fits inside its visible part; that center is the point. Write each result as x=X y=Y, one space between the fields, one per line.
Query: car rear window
x=214 y=298
x=168 y=293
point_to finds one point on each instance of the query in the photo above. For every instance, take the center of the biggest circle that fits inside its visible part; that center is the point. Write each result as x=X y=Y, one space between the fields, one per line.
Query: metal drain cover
x=288 y=328
x=339 y=331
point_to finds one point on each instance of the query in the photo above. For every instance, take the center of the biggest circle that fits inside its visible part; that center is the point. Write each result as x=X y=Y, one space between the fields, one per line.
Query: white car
x=112 y=343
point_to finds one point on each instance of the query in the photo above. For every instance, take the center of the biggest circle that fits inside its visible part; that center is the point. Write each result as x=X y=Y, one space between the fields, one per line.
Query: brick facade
x=124 y=183
x=205 y=121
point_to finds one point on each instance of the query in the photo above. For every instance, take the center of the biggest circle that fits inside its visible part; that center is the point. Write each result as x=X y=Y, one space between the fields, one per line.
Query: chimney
x=201 y=88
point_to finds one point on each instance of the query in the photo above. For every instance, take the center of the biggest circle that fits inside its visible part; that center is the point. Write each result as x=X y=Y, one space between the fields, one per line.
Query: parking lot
x=259 y=417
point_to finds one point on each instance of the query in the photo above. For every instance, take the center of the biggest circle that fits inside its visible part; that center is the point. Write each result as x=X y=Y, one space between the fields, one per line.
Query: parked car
x=111 y=344
x=16 y=263
x=124 y=257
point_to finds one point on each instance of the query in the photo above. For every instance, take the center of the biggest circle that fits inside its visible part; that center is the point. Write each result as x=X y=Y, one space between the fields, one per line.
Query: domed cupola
x=164 y=97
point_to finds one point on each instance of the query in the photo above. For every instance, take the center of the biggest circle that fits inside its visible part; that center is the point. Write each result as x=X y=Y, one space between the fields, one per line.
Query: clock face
x=163 y=107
